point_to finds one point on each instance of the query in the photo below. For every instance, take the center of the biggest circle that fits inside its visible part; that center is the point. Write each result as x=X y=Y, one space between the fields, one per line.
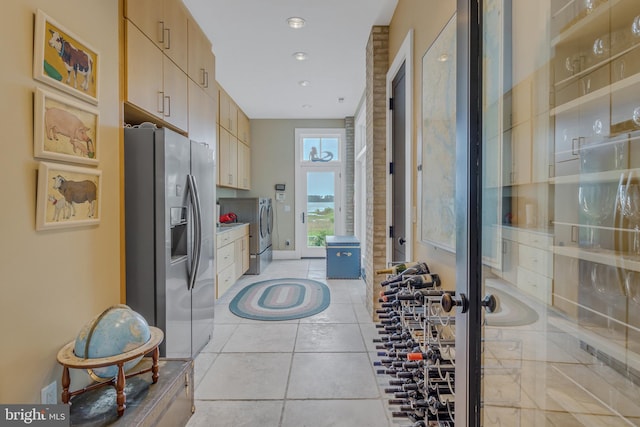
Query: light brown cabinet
x=228 y=113
x=232 y=256
x=227 y=159
x=244 y=166
x=235 y=137
x=154 y=83
x=202 y=110
x=201 y=60
x=164 y=22
x=244 y=128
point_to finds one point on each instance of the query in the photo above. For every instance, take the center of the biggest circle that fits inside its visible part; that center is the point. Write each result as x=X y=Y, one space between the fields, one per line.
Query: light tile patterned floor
x=313 y=372
x=318 y=371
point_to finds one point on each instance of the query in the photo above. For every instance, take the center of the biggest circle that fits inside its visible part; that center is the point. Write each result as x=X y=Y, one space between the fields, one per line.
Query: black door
x=398 y=234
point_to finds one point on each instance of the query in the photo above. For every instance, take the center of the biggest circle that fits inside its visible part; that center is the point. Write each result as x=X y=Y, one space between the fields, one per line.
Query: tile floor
x=316 y=371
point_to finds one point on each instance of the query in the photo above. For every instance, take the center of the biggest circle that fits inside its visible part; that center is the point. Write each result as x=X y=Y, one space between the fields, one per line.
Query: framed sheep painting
x=64 y=129
x=61 y=59
x=68 y=196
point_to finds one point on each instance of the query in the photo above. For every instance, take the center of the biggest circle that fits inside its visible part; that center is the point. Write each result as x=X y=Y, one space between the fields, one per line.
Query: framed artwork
x=68 y=196
x=61 y=59
x=438 y=214
x=64 y=129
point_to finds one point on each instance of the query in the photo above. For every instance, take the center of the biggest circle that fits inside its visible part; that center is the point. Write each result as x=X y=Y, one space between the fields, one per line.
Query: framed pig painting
x=61 y=59
x=68 y=196
x=65 y=129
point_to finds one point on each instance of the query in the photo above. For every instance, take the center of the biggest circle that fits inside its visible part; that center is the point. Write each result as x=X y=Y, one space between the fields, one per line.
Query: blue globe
x=116 y=330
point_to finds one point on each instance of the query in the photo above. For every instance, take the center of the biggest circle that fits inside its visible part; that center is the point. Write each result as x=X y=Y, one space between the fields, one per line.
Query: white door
x=319 y=204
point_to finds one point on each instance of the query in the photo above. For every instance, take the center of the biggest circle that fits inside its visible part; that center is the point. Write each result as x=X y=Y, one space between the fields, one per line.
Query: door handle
x=448 y=302
x=303 y=217
x=197 y=231
x=401 y=241
x=490 y=303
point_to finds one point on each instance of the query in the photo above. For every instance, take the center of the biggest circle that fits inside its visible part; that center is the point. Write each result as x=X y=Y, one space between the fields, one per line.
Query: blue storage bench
x=343 y=257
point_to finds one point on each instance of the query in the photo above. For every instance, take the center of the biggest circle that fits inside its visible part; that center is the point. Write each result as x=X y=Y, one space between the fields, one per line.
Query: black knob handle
x=490 y=303
x=448 y=302
x=401 y=241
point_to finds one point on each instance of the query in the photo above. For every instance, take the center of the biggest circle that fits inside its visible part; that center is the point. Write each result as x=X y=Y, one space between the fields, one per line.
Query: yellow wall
x=52 y=281
x=427 y=18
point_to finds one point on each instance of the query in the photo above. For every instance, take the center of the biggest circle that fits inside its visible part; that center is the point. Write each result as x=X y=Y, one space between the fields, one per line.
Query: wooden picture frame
x=62 y=60
x=64 y=129
x=68 y=196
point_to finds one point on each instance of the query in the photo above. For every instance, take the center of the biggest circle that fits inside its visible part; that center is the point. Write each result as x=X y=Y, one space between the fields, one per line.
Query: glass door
x=320 y=211
x=318 y=192
x=560 y=116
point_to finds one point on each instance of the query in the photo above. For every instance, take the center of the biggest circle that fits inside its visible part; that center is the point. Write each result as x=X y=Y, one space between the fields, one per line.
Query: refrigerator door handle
x=197 y=231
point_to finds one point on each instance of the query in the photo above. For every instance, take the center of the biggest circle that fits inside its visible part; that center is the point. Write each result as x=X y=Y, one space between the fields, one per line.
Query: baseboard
x=285 y=255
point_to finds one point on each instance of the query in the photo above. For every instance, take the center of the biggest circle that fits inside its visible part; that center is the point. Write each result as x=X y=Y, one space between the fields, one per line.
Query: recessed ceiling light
x=300 y=56
x=304 y=83
x=306 y=106
x=296 y=22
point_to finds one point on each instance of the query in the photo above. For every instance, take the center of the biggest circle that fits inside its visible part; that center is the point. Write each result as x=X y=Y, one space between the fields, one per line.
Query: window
x=320 y=149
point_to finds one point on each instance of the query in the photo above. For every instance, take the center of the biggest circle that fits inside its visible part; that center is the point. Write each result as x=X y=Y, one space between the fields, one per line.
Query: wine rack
x=417 y=348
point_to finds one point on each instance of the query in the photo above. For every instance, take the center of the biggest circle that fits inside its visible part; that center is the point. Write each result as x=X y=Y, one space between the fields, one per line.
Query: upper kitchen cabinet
x=201 y=68
x=244 y=166
x=202 y=112
x=164 y=22
x=228 y=113
x=244 y=128
x=154 y=83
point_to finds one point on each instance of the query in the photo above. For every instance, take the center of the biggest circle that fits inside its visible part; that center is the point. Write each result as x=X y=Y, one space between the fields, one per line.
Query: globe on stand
x=116 y=330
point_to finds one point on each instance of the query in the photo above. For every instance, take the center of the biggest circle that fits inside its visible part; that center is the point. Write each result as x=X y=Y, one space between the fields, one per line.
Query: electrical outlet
x=48 y=394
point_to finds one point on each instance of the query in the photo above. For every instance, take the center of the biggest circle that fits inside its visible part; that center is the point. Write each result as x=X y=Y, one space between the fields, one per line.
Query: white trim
x=340 y=165
x=360 y=180
x=404 y=55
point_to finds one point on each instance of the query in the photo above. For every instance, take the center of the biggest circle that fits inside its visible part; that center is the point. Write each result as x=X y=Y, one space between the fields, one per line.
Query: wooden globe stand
x=68 y=359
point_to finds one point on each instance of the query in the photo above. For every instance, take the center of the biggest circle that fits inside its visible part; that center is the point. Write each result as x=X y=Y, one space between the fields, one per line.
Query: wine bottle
x=399 y=271
x=428 y=280
x=399 y=268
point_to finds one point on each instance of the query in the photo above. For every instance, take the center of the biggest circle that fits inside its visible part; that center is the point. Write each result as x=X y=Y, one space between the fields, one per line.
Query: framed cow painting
x=68 y=196
x=64 y=129
x=61 y=59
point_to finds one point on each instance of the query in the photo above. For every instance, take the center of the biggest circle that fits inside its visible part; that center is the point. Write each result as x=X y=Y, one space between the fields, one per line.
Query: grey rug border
x=326 y=300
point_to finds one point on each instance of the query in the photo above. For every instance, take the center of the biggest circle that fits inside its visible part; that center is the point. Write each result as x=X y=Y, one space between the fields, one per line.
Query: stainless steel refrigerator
x=169 y=209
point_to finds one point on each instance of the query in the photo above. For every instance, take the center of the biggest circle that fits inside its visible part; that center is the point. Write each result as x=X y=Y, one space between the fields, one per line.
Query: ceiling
x=254 y=49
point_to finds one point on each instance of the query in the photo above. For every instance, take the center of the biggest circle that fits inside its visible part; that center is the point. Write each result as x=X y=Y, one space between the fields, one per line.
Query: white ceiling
x=254 y=45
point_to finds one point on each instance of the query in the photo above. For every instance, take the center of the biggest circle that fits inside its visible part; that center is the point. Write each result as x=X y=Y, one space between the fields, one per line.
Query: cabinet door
x=175 y=94
x=202 y=126
x=245 y=253
x=175 y=32
x=201 y=68
x=144 y=72
x=223 y=158
x=238 y=258
x=244 y=128
x=147 y=16
x=244 y=166
x=228 y=159
x=233 y=117
x=223 y=109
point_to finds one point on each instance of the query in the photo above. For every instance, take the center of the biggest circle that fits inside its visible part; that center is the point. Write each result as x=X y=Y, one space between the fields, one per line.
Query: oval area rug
x=281 y=299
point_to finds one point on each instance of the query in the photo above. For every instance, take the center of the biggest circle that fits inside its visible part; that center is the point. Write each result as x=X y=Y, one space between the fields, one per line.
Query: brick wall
x=376 y=102
x=349 y=127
